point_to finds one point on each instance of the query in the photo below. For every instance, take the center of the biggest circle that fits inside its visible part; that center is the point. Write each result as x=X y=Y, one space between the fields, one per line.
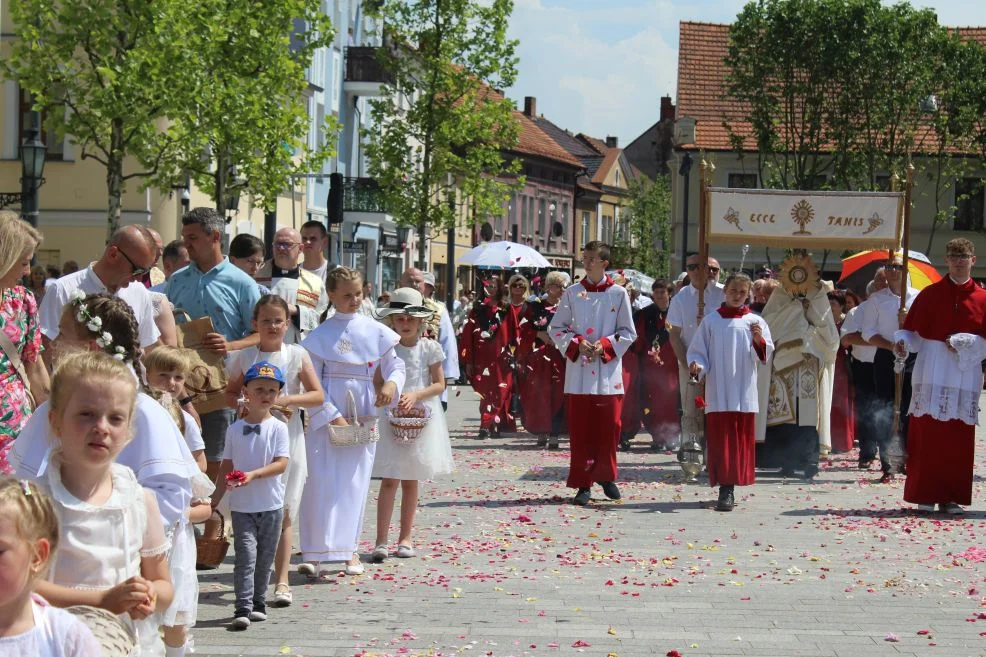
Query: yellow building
x=73 y=198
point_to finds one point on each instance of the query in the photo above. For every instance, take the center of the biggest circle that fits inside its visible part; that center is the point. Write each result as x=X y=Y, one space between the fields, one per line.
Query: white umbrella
x=506 y=255
x=640 y=280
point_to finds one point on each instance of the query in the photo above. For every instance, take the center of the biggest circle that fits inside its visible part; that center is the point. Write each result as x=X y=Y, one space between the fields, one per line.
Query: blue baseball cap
x=264 y=370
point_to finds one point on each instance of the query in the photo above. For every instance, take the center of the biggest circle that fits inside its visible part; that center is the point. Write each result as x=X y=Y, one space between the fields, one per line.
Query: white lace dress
x=101 y=546
x=946 y=384
x=431 y=453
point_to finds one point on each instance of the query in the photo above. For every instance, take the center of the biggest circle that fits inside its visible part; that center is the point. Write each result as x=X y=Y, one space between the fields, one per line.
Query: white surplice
x=346 y=350
x=731 y=385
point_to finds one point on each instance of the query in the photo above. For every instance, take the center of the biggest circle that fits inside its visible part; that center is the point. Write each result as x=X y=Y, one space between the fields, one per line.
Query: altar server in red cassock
x=485 y=349
x=658 y=389
x=542 y=370
x=593 y=327
x=946 y=327
x=729 y=347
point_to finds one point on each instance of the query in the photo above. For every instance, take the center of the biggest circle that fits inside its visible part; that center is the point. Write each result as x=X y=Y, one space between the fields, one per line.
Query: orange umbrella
x=858 y=269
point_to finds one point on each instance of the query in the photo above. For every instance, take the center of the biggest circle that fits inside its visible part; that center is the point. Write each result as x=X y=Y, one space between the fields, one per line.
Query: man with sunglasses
x=129 y=255
x=946 y=327
x=683 y=320
x=879 y=326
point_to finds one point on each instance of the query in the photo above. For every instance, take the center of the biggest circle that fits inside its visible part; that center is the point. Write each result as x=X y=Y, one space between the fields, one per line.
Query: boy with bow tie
x=254 y=458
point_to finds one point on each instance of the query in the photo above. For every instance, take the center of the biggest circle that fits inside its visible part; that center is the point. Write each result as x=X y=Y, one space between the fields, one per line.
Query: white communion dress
x=289 y=359
x=346 y=351
x=431 y=453
x=101 y=546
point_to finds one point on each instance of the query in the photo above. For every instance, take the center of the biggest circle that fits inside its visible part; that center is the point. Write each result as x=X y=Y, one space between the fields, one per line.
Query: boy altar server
x=593 y=328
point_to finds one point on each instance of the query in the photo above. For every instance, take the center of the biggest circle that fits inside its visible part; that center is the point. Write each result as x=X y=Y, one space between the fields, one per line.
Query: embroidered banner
x=796 y=219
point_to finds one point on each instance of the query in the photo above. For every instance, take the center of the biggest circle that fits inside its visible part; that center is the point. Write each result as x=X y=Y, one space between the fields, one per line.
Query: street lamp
x=32 y=156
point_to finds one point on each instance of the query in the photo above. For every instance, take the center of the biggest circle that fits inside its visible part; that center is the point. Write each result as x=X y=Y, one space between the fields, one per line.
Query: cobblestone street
x=506 y=566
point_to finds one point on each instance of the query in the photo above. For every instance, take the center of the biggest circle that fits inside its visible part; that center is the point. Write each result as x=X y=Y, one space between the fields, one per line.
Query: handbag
x=206 y=379
x=359 y=432
x=15 y=359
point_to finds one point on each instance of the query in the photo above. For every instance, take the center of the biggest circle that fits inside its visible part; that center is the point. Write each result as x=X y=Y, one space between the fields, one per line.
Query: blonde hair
x=519 y=277
x=166 y=358
x=89 y=366
x=556 y=277
x=340 y=274
x=32 y=511
x=16 y=238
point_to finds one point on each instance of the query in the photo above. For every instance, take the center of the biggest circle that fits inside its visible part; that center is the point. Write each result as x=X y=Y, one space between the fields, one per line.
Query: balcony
x=364 y=74
x=362 y=195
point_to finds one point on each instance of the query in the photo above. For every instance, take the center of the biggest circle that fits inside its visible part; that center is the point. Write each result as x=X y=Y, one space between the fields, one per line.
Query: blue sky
x=601 y=66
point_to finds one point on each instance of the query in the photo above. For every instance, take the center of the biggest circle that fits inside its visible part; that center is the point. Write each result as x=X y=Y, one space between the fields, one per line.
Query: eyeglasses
x=959 y=256
x=255 y=263
x=694 y=266
x=135 y=269
x=286 y=246
x=713 y=270
x=894 y=267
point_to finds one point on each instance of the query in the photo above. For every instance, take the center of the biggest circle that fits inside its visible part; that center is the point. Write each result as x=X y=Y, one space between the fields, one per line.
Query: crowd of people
x=166 y=387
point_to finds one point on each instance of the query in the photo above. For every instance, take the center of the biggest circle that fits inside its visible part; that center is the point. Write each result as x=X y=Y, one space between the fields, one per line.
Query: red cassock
x=541 y=371
x=843 y=421
x=941 y=453
x=658 y=382
x=485 y=345
x=731 y=448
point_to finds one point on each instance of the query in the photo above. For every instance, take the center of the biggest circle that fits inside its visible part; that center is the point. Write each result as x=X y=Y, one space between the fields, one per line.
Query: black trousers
x=862 y=378
x=883 y=405
x=797 y=447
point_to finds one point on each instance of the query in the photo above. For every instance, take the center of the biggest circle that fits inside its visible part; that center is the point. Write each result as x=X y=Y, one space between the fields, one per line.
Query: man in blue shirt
x=212 y=286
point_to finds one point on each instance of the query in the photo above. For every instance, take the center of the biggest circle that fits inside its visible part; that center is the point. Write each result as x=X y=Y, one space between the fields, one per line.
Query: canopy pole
x=906 y=243
x=705 y=175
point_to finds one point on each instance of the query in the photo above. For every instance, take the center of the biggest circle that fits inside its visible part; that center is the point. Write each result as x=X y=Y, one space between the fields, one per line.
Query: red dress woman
x=842 y=418
x=541 y=378
x=658 y=390
x=485 y=350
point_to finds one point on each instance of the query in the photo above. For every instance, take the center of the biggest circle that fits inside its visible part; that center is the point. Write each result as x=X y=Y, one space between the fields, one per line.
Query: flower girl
x=398 y=460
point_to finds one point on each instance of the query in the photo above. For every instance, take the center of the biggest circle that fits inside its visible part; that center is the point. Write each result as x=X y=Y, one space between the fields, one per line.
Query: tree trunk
x=114 y=178
x=422 y=234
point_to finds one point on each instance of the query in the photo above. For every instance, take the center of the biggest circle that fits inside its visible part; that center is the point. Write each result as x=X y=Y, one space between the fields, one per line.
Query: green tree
x=247 y=125
x=648 y=217
x=442 y=125
x=110 y=74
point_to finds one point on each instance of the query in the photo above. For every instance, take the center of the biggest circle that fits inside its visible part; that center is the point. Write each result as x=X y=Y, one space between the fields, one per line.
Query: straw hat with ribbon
x=404 y=301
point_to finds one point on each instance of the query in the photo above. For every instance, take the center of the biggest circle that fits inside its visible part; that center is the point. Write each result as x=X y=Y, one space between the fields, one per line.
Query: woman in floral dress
x=19 y=322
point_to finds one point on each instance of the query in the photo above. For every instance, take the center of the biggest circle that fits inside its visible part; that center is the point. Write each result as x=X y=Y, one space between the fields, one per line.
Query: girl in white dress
x=28 y=538
x=167 y=368
x=113 y=551
x=431 y=453
x=346 y=350
x=301 y=390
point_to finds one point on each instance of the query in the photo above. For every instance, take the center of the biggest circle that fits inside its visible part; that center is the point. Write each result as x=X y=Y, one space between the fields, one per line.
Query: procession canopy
x=797 y=219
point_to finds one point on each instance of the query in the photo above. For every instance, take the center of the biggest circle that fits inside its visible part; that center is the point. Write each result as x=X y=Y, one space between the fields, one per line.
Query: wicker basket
x=407 y=429
x=359 y=432
x=211 y=550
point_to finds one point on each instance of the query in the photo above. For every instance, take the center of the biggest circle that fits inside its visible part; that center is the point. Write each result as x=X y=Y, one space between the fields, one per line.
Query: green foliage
x=145 y=88
x=440 y=125
x=109 y=74
x=249 y=108
x=648 y=217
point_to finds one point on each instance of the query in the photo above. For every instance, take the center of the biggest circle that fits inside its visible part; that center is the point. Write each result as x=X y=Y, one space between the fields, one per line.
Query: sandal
x=282 y=595
x=405 y=551
x=379 y=554
x=355 y=568
x=308 y=569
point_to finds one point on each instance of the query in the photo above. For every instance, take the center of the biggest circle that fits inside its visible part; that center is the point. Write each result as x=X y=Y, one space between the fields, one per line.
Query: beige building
x=73 y=199
x=702 y=108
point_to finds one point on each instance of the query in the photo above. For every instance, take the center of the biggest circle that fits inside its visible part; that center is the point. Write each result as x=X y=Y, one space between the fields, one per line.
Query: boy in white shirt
x=254 y=458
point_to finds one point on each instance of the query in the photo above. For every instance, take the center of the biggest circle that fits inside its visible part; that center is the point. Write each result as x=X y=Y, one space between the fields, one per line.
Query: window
x=969 y=204
x=617 y=175
x=529 y=228
x=523 y=214
x=56 y=147
x=606 y=230
x=564 y=219
x=817 y=182
x=883 y=183
x=586 y=238
x=542 y=218
x=742 y=180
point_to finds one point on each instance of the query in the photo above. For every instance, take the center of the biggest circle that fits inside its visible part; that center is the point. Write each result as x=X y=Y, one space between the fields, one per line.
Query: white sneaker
x=240 y=623
x=951 y=508
x=926 y=508
x=258 y=616
x=308 y=569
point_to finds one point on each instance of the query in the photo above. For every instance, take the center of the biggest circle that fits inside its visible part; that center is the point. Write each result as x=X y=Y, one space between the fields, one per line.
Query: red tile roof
x=533 y=140
x=702 y=73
